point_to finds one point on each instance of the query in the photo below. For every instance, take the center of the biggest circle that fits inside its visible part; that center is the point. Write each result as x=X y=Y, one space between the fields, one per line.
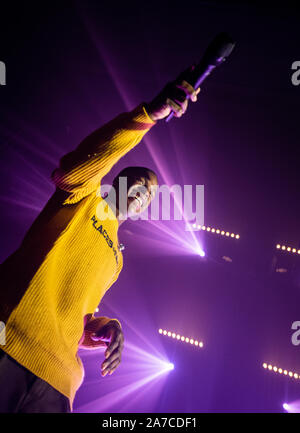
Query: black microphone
x=216 y=53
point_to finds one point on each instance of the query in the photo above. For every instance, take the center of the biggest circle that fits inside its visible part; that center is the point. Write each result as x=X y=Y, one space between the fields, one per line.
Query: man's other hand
x=111 y=331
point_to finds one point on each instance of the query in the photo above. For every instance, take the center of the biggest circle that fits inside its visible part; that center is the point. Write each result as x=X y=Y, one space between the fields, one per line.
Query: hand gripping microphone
x=215 y=54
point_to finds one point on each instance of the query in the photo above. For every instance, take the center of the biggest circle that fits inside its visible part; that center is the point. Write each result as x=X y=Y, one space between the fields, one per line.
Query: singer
x=52 y=284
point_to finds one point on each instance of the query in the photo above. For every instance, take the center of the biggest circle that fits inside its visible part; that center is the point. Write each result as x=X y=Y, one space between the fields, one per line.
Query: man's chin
x=133 y=212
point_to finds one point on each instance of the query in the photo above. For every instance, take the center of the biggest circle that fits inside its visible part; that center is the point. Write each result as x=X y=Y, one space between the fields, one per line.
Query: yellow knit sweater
x=68 y=259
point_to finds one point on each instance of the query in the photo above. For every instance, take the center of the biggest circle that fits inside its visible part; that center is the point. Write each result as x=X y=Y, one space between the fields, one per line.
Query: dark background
x=72 y=66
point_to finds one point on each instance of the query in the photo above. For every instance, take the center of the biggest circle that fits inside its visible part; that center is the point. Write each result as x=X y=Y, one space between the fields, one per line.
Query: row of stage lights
x=233 y=235
x=216 y=231
x=288 y=249
x=181 y=338
x=279 y=370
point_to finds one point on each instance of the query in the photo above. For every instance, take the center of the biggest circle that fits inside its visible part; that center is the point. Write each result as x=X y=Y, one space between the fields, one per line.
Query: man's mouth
x=140 y=200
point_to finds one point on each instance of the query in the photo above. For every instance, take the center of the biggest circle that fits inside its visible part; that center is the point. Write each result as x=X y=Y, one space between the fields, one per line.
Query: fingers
x=189 y=90
x=113 y=352
x=182 y=92
x=112 y=367
x=112 y=362
x=177 y=107
x=117 y=340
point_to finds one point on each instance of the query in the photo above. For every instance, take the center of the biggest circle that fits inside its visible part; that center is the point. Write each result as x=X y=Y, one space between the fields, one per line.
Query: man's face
x=140 y=191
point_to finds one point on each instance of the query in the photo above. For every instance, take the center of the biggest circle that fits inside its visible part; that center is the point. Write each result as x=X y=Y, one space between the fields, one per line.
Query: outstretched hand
x=174 y=97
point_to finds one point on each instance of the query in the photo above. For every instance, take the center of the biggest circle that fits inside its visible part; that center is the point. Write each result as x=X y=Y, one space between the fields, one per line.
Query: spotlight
x=200 y=252
x=285 y=406
x=160 y=331
x=165 y=366
x=170 y=366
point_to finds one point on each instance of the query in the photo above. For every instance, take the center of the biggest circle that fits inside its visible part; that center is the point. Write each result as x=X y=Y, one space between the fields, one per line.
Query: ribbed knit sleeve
x=81 y=170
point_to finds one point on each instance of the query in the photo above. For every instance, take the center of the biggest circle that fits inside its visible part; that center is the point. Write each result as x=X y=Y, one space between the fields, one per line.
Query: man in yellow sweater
x=52 y=284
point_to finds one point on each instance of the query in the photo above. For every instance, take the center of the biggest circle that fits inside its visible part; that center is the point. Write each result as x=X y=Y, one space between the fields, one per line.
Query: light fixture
x=216 y=231
x=181 y=337
x=280 y=370
x=288 y=249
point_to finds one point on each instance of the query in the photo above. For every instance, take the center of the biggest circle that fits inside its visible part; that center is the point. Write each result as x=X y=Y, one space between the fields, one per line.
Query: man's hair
x=133 y=172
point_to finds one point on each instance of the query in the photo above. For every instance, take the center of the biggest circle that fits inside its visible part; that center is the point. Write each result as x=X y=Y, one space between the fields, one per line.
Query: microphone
x=216 y=53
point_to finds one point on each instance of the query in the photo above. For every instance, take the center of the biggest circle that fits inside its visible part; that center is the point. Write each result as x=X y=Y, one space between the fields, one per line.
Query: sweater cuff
x=142 y=118
x=147 y=115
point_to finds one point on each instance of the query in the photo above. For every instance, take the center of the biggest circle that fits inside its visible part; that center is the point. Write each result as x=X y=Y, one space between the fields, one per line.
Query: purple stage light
x=201 y=253
x=170 y=366
x=292 y=406
x=141 y=372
